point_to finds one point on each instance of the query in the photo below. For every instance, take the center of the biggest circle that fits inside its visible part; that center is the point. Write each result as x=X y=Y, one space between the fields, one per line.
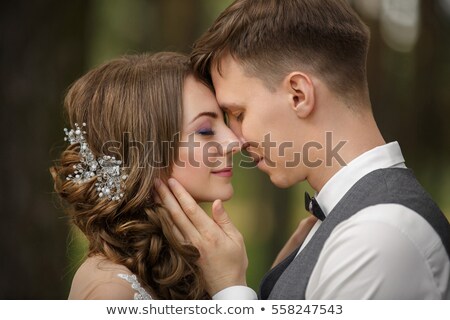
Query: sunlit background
x=47 y=44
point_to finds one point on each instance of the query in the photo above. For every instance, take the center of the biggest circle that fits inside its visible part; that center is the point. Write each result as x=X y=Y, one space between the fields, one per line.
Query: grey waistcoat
x=290 y=278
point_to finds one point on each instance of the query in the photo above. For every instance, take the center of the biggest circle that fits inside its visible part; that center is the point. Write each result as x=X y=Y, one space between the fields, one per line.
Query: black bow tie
x=312 y=206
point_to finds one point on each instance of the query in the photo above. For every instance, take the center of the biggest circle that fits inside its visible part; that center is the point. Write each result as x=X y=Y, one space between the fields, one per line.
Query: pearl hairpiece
x=110 y=176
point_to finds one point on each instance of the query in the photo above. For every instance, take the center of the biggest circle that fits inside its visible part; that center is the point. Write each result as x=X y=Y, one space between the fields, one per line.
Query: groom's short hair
x=271 y=38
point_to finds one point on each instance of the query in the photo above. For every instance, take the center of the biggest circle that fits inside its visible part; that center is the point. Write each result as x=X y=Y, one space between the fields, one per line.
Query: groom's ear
x=300 y=89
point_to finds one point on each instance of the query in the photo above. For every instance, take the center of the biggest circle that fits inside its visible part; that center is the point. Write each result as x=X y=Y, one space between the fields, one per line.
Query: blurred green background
x=47 y=44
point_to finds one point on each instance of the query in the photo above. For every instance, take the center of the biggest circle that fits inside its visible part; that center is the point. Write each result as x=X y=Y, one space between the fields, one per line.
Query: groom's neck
x=347 y=136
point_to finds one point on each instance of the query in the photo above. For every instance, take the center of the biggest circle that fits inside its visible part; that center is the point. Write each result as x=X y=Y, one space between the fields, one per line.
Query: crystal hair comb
x=110 y=176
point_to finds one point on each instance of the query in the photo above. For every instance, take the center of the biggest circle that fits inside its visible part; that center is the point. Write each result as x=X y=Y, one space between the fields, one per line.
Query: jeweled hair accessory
x=110 y=176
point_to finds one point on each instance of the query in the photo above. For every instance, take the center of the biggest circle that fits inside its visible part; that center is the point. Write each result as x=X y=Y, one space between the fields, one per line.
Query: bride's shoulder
x=101 y=279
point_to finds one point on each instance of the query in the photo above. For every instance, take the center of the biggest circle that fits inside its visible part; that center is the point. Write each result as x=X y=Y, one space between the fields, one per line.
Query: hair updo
x=133 y=110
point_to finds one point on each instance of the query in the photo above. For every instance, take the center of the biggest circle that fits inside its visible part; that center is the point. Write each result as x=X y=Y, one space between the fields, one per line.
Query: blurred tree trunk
x=42 y=51
x=430 y=57
x=410 y=96
x=390 y=76
x=432 y=96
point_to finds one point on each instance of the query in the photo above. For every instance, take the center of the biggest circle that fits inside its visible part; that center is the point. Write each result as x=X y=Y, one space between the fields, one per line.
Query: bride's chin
x=228 y=196
x=224 y=196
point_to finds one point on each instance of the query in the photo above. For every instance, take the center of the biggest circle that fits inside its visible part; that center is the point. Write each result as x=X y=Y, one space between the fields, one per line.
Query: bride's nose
x=231 y=143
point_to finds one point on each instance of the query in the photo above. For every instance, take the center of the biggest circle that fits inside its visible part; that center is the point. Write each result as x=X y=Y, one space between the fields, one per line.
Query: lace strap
x=140 y=293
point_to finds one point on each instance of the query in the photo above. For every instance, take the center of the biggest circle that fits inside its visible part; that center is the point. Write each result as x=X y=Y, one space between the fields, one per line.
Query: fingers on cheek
x=190 y=207
x=164 y=197
x=178 y=234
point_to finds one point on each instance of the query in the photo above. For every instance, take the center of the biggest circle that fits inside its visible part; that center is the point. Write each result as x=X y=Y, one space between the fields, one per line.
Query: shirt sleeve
x=382 y=252
x=236 y=293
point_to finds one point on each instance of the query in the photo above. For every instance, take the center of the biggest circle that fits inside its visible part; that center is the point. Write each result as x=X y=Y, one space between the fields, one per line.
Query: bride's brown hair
x=133 y=110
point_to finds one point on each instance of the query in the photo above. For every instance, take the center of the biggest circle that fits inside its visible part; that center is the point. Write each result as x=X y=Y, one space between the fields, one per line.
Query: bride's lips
x=226 y=172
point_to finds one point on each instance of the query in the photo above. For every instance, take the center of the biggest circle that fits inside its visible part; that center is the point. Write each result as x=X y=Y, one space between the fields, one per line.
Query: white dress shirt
x=386 y=251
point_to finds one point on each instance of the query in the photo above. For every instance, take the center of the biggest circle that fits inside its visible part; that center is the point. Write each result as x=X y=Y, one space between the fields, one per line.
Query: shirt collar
x=382 y=157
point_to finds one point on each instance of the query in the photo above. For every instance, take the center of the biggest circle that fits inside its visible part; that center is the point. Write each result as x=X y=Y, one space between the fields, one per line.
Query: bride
x=135 y=120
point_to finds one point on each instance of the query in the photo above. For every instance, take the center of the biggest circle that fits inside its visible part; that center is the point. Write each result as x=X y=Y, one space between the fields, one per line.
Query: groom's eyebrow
x=229 y=106
x=207 y=114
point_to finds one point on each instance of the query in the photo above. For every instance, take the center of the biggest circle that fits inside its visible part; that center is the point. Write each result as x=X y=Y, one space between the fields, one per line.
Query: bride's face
x=204 y=162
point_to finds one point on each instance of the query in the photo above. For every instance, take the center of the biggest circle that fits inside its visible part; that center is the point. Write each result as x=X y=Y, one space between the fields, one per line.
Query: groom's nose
x=237 y=130
x=249 y=146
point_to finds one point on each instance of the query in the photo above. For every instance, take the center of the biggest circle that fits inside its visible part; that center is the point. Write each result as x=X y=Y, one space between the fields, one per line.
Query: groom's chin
x=281 y=181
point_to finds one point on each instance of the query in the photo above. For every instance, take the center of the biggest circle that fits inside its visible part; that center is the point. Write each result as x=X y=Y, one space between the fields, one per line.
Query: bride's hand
x=296 y=239
x=223 y=258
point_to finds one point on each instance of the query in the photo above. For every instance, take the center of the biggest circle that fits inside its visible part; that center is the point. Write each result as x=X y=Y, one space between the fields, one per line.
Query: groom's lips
x=252 y=153
x=258 y=161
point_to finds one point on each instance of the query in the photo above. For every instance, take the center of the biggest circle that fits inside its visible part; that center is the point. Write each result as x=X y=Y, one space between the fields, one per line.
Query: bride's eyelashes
x=205 y=132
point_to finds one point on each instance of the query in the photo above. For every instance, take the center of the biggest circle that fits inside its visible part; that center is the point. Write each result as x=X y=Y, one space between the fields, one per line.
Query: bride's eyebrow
x=213 y=115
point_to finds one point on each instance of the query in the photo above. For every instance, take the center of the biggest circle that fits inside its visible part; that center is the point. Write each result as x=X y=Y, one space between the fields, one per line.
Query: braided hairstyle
x=133 y=109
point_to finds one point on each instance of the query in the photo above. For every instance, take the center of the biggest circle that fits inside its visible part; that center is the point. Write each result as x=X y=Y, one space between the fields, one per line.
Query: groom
x=295 y=71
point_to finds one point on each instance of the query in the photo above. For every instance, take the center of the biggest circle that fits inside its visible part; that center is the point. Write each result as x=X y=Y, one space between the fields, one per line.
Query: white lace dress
x=140 y=293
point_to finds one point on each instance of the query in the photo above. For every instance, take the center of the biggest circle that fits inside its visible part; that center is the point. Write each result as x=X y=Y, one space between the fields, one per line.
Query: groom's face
x=263 y=119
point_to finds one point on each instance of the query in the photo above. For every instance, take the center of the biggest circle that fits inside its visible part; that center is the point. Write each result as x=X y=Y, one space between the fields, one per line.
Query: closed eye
x=206 y=132
x=239 y=117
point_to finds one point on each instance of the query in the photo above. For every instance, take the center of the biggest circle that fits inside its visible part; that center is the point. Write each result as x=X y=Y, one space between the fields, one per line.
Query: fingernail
x=171 y=182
